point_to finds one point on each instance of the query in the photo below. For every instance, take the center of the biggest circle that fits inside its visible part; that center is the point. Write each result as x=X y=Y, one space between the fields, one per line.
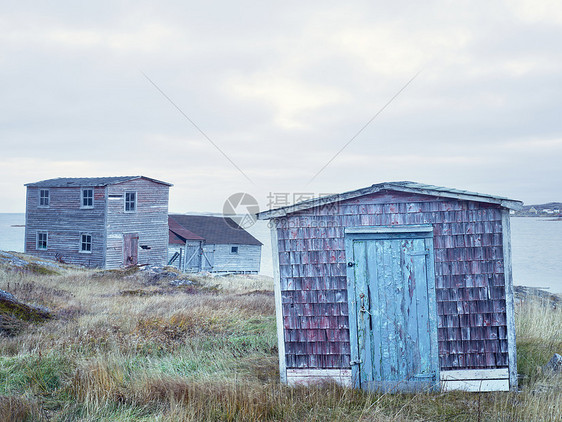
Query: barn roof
x=215 y=229
x=64 y=182
x=174 y=239
x=179 y=234
x=405 y=186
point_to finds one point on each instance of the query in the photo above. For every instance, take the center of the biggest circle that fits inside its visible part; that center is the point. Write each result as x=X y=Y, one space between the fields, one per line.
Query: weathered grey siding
x=469 y=276
x=149 y=221
x=247 y=260
x=217 y=258
x=190 y=255
x=208 y=258
x=65 y=220
x=219 y=235
x=172 y=249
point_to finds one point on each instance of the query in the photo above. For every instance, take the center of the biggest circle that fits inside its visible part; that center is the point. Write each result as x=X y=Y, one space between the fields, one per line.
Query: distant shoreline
x=523 y=293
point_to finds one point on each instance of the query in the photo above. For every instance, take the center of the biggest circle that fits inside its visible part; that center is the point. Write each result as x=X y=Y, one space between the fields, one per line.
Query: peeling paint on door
x=392 y=299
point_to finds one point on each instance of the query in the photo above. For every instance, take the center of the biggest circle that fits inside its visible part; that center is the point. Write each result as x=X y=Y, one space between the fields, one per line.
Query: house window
x=86 y=243
x=87 y=200
x=130 y=201
x=43 y=197
x=42 y=241
x=234 y=249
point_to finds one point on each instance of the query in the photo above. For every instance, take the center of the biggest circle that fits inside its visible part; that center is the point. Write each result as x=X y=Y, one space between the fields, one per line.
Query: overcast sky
x=280 y=88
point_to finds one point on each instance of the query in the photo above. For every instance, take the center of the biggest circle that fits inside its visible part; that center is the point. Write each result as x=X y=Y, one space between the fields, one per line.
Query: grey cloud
x=280 y=87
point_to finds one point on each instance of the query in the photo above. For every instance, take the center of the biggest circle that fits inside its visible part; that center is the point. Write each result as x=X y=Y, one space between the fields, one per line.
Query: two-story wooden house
x=105 y=222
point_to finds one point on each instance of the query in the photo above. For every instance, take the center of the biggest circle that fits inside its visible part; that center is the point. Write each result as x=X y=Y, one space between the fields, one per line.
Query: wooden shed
x=212 y=243
x=399 y=286
x=105 y=222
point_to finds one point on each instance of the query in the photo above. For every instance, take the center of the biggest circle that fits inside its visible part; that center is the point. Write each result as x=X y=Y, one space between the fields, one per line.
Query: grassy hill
x=129 y=346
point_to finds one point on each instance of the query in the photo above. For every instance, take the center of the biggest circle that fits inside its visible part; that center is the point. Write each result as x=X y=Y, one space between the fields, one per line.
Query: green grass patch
x=33 y=374
x=532 y=355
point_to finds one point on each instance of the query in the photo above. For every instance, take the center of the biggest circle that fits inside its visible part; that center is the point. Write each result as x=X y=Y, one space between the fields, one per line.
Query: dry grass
x=18 y=409
x=121 y=348
x=539 y=336
x=237 y=283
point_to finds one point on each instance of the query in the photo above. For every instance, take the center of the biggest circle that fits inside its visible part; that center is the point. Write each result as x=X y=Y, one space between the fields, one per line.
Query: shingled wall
x=469 y=277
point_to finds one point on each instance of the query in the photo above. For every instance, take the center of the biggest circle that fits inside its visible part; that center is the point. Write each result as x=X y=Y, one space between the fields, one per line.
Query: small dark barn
x=399 y=286
x=105 y=222
x=212 y=243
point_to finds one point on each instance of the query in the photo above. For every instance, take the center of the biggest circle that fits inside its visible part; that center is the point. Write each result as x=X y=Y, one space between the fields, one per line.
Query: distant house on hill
x=211 y=243
x=105 y=222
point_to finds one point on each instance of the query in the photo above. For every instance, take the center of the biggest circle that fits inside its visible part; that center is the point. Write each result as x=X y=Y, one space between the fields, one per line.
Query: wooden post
x=509 y=299
x=278 y=302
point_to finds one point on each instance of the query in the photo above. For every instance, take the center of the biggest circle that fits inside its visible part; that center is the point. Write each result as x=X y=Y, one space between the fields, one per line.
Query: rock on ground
x=12 y=307
x=554 y=364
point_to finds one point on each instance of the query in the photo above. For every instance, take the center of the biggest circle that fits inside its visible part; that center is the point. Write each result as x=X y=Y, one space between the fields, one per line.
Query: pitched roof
x=410 y=187
x=63 y=182
x=215 y=229
x=178 y=234
x=174 y=239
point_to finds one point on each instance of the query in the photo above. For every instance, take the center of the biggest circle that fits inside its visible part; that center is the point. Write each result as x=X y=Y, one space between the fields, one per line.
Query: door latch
x=351 y=264
x=363 y=309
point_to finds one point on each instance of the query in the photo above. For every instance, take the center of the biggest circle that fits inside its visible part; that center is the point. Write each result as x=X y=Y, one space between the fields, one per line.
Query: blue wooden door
x=392 y=297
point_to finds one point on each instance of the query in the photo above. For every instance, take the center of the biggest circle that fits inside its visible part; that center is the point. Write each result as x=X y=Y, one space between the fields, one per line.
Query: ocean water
x=12 y=232
x=536 y=245
x=536 y=248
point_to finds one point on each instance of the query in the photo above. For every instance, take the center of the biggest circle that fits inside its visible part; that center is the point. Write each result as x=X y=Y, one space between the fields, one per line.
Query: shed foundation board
x=479 y=380
x=315 y=376
x=464 y=380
